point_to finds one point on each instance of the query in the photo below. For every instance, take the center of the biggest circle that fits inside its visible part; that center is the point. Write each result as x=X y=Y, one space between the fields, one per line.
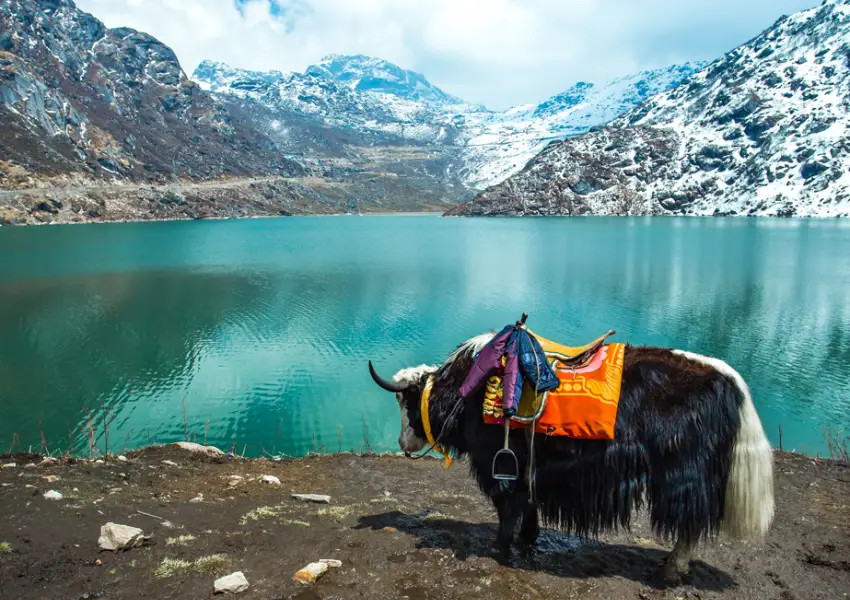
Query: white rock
x=30 y=466
x=121 y=458
x=197 y=499
x=311 y=573
x=51 y=478
x=98 y=462
x=317 y=498
x=9 y=466
x=232 y=584
x=48 y=460
x=52 y=495
x=170 y=463
x=120 y=537
x=235 y=477
x=198 y=448
x=271 y=479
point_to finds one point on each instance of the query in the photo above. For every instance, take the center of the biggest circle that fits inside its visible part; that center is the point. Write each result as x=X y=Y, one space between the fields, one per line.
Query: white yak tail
x=749 y=492
x=749 y=506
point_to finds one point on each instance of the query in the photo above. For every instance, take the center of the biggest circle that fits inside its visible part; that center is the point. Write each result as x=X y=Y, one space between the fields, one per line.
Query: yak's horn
x=387 y=385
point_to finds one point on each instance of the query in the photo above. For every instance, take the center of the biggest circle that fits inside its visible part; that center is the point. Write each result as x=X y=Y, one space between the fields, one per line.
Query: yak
x=688 y=447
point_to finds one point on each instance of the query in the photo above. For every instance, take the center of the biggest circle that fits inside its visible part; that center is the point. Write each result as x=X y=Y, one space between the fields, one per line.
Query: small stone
x=312 y=572
x=271 y=479
x=97 y=562
x=121 y=458
x=76 y=489
x=231 y=584
x=316 y=498
x=387 y=494
x=197 y=499
x=30 y=466
x=120 y=537
x=76 y=545
x=52 y=495
x=9 y=466
x=390 y=529
x=170 y=463
x=235 y=477
x=98 y=461
x=51 y=478
x=47 y=461
x=29 y=486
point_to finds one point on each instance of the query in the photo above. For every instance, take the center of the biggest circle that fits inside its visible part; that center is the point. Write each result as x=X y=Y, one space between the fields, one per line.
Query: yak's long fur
x=676 y=440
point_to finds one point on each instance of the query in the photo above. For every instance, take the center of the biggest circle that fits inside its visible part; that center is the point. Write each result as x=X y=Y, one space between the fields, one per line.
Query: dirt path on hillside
x=402 y=529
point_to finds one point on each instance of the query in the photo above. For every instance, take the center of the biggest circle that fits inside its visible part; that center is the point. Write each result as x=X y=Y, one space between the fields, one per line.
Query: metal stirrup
x=508 y=454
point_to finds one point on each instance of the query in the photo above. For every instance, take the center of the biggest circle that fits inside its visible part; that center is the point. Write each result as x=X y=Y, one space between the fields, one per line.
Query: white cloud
x=497 y=52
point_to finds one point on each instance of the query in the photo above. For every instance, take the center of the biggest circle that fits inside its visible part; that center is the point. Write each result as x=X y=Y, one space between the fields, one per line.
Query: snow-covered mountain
x=761 y=131
x=499 y=144
x=369 y=95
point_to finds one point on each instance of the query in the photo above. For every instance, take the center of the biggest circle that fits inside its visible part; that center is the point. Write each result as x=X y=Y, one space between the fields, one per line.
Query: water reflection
x=259 y=330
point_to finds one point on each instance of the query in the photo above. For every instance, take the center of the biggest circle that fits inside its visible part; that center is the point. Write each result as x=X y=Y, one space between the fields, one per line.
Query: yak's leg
x=677 y=566
x=509 y=513
x=530 y=528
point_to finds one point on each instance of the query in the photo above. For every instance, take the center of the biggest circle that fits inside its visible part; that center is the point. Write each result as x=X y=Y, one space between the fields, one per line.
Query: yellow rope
x=426 y=421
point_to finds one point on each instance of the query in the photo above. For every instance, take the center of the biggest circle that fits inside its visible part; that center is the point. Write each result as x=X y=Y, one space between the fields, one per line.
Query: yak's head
x=407 y=385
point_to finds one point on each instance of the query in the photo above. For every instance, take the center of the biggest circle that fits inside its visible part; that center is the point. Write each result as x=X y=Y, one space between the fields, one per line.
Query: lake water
x=260 y=330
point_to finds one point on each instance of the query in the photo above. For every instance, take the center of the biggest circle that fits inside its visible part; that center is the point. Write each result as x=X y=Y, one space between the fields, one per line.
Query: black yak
x=688 y=446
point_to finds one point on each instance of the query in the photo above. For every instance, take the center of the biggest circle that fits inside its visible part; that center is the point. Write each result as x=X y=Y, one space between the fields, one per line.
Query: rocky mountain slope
x=472 y=147
x=761 y=131
x=79 y=99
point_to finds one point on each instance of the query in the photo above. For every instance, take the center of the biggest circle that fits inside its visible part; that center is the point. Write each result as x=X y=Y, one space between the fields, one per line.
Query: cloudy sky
x=494 y=52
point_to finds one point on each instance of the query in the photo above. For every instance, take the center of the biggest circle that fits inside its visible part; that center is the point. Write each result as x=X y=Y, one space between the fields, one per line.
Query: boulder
x=312 y=572
x=231 y=584
x=199 y=449
x=120 y=537
x=317 y=498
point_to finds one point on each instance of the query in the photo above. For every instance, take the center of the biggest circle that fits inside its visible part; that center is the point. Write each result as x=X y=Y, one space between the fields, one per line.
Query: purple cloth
x=488 y=359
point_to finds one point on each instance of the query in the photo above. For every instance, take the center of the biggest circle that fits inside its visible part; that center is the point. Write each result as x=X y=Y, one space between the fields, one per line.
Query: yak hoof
x=673 y=574
x=502 y=547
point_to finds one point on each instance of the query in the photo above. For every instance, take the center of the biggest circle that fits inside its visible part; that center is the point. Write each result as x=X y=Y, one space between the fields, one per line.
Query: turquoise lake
x=259 y=331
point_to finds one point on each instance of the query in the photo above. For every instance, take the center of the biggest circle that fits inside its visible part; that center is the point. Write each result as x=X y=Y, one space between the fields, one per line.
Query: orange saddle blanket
x=584 y=406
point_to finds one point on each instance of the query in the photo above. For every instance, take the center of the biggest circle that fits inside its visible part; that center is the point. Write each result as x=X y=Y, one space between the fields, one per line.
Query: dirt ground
x=402 y=529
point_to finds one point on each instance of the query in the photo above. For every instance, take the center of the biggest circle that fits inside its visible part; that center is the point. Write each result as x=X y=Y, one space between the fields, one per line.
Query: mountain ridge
x=761 y=131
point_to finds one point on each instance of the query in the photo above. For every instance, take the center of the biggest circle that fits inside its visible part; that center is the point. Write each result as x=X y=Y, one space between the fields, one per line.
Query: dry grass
x=208 y=565
x=261 y=512
x=337 y=513
x=212 y=565
x=180 y=540
x=296 y=522
x=169 y=567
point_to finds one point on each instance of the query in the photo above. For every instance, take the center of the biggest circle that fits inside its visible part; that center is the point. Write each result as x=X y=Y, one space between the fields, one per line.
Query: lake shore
x=396 y=536
x=95 y=202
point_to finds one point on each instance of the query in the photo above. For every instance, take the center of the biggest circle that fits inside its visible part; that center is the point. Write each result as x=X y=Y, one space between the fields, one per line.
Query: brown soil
x=401 y=529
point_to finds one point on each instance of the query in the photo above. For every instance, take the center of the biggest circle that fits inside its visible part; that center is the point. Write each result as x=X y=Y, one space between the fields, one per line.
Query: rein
x=426 y=423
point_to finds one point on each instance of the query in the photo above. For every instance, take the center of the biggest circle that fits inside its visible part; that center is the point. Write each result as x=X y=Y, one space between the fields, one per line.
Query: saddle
x=573 y=357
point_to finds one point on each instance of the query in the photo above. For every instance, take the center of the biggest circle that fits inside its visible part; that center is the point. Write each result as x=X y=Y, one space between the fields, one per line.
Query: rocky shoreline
x=204 y=516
